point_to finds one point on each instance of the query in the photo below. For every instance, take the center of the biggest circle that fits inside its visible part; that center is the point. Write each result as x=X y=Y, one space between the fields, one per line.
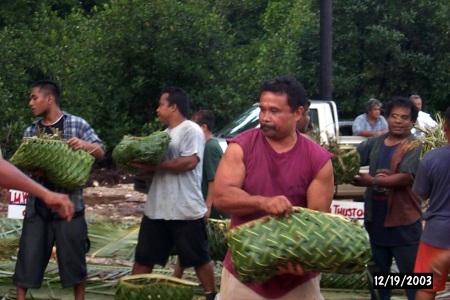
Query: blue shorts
x=35 y=248
x=157 y=238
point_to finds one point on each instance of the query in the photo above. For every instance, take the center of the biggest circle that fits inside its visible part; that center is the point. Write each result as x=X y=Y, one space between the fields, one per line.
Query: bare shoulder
x=234 y=152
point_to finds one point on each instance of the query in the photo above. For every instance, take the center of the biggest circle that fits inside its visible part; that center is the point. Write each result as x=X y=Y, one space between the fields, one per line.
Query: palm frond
x=10 y=228
x=109 y=239
x=434 y=137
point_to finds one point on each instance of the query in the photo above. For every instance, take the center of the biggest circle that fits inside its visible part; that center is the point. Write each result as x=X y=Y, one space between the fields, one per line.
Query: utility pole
x=326 y=52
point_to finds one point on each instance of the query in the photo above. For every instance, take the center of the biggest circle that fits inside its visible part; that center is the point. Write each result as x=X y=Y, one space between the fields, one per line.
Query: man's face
x=374 y=112
x=399 y=121
x=276 y=119
x=164 y=111
x=39 y=102
x=418 y=103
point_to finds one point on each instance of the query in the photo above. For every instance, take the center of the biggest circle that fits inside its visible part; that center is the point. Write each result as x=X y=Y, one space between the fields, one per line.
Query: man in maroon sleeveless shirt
x=266 y=171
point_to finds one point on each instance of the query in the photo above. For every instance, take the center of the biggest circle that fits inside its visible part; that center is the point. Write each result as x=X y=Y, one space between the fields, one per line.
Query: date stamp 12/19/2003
x=402 y=280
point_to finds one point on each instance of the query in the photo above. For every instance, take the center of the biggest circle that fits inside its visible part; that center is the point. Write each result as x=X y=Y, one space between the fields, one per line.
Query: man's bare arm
x=177 y=165
x=367 y=133
x=231 y=198
x=394 y=180
x=13 y=178
x=321 y=190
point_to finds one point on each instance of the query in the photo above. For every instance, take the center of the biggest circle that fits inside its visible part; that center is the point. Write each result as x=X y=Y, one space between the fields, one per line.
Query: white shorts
x=232 y=289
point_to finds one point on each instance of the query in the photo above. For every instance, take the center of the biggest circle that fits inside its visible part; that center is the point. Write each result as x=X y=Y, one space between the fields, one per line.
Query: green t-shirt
x=211 y=158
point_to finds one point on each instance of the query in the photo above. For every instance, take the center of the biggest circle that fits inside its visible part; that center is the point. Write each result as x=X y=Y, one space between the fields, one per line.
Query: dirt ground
x=108 y=193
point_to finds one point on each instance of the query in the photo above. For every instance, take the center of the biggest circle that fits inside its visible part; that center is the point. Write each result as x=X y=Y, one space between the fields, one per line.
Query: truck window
x=250 y=119
x=314 y=118
x=247 y=120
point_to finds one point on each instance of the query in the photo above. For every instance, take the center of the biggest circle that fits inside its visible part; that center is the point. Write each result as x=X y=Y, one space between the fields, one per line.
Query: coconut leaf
x=434 y=137
x=113 y=240
x=10 y=228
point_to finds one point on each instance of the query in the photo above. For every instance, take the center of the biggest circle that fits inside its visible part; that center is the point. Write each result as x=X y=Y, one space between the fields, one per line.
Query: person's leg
x=35 y=247
x=405 y=258
x=179 y=270
x=21 y=293
x=423 y=295
x=154 y=246
x=425 y=255
x=72 y=244
x=205 y=274
x=79 y=290
x=382 y=257
x=141 y=269
x=191 y=241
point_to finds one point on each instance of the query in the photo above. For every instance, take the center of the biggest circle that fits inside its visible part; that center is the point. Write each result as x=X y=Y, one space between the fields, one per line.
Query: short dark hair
x=307 y=104
x=372 y=103
x=49 y=87
x=204 y=116
x=177 y=96
x=296 y=93
x=403 y=102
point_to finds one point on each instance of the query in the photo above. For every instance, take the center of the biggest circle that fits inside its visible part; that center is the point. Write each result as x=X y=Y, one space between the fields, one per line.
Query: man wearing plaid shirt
x=43 y=227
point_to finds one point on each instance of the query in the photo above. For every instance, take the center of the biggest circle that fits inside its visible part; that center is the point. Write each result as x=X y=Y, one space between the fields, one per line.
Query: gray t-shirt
x=178 y=196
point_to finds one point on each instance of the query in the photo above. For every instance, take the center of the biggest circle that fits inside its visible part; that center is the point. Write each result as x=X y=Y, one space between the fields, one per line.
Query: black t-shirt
x=41 y=208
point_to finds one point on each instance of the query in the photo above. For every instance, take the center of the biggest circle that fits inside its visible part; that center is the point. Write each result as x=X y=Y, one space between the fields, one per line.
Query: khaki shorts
x=232 y=289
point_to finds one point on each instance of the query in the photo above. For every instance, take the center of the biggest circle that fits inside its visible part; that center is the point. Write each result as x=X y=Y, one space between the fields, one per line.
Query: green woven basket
x=346 y=164
x=344 y=281
x=318 y=241
x=217 y=231
x=150 y=149
x=154 y=286
x=63 y=166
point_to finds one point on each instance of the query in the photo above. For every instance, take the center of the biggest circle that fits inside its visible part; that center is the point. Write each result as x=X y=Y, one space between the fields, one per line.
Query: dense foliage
x=112 y=57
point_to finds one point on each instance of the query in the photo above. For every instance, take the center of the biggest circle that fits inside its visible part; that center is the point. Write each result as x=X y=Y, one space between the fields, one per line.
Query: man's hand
x=363 y=179
x=60 y=203
x=143 y=167
x=207 y=214
x=76 y=144
x=291 y=269
x=277 y=206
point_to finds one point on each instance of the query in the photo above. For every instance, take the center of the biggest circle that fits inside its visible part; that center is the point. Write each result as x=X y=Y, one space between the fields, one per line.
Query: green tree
x=383 y=49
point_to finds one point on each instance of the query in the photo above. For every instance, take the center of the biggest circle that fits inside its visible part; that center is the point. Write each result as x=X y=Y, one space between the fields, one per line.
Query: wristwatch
x=375 y=182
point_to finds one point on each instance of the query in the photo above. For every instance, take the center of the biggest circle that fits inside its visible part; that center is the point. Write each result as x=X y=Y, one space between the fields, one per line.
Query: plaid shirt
x=73 y=127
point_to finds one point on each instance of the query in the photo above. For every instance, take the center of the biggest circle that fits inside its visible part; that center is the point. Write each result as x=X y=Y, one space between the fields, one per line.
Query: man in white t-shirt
x=424 y=121
x=175 y=208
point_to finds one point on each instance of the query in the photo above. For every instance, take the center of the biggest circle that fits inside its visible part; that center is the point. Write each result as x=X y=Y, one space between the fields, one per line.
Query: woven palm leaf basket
x=217 y=232
x=346 y=163
x=154 y=286
x=344 y=281
x=150 y=149
x=63 y=166
x=318 y=241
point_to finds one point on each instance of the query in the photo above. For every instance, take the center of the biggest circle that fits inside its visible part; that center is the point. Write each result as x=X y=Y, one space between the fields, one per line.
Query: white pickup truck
x=324 y=118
